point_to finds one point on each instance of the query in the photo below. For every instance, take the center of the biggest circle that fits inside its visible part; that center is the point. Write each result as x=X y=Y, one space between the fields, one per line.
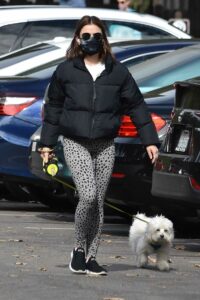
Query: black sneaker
x=77 y=263
x=93 y=268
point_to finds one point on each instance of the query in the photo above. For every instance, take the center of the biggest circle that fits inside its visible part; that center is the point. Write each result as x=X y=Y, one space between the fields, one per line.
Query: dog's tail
x=139 y=224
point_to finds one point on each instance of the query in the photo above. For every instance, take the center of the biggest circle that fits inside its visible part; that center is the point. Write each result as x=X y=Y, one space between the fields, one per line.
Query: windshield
x=24 y=54
x=167 y=68
x=42 y=71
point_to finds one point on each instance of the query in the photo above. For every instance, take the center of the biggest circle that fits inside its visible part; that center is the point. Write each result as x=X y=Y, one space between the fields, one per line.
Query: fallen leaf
x=43 y=269
x=179 y=247
x=20 y=263
x=118 y=257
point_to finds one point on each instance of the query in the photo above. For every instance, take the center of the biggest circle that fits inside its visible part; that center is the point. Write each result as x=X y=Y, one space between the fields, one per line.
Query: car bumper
x=174 y=186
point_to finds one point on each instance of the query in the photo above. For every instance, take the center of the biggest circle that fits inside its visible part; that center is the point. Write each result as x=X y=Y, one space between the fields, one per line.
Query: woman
x=88 y=94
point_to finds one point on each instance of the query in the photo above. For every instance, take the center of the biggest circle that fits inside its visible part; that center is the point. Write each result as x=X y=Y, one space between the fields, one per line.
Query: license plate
x=183 y=141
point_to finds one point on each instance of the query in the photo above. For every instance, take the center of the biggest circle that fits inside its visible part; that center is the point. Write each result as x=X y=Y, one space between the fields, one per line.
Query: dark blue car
x=21 y=100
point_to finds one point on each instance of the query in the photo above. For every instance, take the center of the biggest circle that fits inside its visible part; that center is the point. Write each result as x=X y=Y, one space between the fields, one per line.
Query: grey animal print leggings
x=91 y=164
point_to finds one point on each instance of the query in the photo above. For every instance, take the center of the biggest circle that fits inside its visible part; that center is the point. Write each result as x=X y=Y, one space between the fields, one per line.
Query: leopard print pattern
x=91 y=164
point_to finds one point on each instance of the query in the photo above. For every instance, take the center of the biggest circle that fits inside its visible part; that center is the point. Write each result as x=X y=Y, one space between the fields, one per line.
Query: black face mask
x=91 y=46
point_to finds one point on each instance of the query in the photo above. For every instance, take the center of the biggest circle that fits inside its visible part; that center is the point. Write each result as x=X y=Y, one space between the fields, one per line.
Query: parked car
x=176 y=174
x=131 y=166
x=161 y=71
x=17 y=127
x=21 y=26
x=48 y=54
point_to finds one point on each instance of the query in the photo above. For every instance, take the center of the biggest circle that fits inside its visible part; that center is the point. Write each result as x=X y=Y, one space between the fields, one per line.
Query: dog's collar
x=155 y=246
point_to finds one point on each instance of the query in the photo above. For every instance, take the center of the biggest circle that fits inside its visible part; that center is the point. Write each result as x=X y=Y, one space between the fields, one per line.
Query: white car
x=21 y=26
x=48 y=54
x=36 y=56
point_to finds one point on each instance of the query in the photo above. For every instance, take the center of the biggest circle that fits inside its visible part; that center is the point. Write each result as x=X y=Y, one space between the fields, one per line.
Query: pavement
x=35 y=247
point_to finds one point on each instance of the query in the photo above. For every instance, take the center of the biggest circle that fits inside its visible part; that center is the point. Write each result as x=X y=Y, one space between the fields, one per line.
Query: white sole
x=95 y=274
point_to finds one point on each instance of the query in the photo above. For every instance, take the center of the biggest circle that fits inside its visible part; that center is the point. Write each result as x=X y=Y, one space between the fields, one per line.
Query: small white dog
x=153 y=236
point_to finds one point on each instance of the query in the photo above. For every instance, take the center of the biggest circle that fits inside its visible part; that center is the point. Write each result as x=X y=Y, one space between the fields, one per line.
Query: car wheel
x=18 y=192
x=55 y=196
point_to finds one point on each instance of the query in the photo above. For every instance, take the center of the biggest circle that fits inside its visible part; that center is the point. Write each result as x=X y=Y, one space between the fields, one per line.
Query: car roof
x=13 y=14
x=156 y=41
x=53 y=50
x=152 y=43
x=166 y=59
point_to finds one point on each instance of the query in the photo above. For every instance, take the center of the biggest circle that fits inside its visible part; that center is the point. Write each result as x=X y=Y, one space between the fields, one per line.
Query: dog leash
x=107 y=203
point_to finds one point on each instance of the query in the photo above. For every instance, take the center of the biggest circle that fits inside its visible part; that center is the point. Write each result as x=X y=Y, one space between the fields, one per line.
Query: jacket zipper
x=93 y=108
x=93 y=102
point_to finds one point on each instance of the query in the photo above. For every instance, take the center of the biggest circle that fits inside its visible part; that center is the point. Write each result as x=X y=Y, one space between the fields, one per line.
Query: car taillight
x=158 y=121
x=10 y=105
x=118 y=175
x=128 y=129
x=195 y=184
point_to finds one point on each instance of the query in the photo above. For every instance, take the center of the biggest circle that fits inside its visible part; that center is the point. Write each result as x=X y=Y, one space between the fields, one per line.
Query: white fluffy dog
x=154 y=236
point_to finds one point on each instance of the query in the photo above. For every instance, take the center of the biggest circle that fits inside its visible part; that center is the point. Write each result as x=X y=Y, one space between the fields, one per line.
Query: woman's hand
x=152 y=151
x=46 y=153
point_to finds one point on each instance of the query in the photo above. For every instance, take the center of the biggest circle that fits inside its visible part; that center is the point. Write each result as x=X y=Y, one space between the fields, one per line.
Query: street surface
x=35 y=246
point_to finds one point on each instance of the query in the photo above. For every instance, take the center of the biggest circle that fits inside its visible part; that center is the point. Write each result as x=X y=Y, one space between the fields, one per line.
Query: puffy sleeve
x=52 y=112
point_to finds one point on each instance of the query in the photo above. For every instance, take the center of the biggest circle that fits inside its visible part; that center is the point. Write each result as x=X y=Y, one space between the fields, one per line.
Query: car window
x=135 y=31
x=181 y=72
x=140 y=58
x=8 y=35
x=24 y=54
x=43 y=71
x=47 y=30
x=166 y=69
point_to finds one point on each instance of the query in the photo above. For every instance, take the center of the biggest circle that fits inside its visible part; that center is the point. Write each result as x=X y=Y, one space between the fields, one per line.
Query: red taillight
x=158 y=121
x=128 y=129
x=195 y=184
x=118 y=175
x=12 y=105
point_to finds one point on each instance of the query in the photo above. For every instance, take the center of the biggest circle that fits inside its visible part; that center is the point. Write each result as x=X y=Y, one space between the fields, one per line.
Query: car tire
x=17 y=192
x=55 y=196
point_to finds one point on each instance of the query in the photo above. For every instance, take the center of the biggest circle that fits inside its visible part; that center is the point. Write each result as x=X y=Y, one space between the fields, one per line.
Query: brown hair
x=75 y=50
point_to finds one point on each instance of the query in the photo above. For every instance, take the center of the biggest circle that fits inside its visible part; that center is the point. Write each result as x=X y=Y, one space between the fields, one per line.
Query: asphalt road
x=35 y=247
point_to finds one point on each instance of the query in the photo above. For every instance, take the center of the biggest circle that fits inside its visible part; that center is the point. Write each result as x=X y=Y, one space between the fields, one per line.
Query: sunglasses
x=87 y=36
x=121 y=2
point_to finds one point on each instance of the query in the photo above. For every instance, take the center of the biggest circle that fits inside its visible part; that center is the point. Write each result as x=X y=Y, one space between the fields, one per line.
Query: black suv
x=176 y=174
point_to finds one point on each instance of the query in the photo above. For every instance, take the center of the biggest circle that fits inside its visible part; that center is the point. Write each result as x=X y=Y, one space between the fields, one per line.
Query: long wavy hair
x=75 y=50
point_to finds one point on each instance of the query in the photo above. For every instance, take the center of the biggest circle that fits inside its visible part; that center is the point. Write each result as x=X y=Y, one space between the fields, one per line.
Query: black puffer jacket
x=79 y=107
